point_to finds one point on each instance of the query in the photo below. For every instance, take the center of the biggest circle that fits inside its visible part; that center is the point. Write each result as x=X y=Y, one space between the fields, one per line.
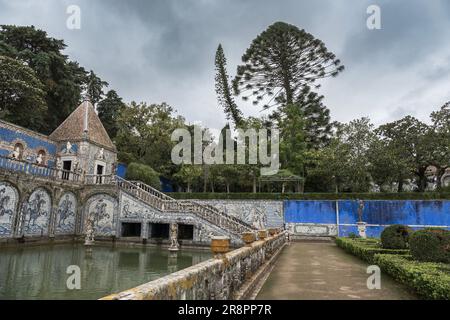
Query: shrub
x=365 y=248
x=353 y=235
x=144 y=173
x=429 y=280
x=431 y=245
x=395 y=236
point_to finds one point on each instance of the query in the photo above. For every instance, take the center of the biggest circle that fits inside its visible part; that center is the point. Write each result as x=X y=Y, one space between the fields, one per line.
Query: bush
x=143 y=173
x=429 y=280
x=395 y=236
x=431 y=245
x=353 y=235
x=365 y=248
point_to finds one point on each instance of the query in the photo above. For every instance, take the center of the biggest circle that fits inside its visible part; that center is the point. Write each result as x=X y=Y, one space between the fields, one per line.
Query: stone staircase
x=164 y=203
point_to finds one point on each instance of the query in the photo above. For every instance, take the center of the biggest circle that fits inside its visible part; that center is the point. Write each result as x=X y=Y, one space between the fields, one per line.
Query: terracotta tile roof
x=82 y=124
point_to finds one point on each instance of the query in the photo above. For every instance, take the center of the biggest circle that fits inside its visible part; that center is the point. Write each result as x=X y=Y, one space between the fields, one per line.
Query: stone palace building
x=50 y=186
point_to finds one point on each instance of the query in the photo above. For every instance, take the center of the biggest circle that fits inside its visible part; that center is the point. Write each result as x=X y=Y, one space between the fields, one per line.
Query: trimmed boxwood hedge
x=430 y=280
x=366 y=248
x=395 y=236
x=311 y=196
x=431 y=245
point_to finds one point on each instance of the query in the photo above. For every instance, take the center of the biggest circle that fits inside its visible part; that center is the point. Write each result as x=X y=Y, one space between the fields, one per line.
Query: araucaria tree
x=224 y=95
x=280 y=62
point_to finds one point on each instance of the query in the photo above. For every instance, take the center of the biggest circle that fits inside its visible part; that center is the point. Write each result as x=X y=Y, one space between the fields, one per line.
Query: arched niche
x=66 y=214
x=9 y=197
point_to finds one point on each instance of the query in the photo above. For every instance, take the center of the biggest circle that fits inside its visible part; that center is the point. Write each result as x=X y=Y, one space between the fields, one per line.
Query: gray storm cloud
x=163 y=50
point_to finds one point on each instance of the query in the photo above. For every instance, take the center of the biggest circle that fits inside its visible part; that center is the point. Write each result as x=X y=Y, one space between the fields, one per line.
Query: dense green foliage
x=62 y=79
x=21 y=94
x=109 y=110
x=432 y=245
x=143 y=173
x=429 y=280
x=365 y=248
x=395 y=236
x=144 y=135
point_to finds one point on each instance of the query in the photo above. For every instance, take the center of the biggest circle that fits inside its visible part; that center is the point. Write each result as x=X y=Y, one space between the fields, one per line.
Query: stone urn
x=273 y=231
x=220 y=245
x=362 y=229
x=248 y=237
x=262 y=234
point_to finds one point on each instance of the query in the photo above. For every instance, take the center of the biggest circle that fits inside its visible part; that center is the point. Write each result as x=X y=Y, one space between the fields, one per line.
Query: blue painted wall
x=121 y=170
x=377 y=214
x=166 y=185
x=8 y=137
x=310 y=212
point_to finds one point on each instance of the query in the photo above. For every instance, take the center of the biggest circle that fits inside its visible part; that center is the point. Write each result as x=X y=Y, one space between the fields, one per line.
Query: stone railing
x=94 y=179
x=221 y=278
x=163 y=202
x=29 y=168
x=151 y=190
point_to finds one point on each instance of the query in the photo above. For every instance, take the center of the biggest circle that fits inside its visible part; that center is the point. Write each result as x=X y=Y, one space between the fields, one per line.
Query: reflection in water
x=40 y=272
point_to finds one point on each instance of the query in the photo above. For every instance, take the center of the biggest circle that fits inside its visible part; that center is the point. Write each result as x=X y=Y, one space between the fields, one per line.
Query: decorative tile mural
x=8 y=204
x=36 y=213
x=65 y=216
x=132 y=209
x=102 y=208
x=259 y=213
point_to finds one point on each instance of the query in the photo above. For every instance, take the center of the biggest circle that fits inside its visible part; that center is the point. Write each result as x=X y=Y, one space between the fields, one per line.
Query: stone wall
x=215 y=279
x=133 y=210
x=340 y=218
x=259 y=213
x=31 y=142
x=35 y=208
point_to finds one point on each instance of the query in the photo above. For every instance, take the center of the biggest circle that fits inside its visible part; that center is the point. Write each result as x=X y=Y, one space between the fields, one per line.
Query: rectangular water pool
x=40 y=272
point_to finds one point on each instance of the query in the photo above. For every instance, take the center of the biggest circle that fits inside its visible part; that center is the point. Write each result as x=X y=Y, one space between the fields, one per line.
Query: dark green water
x=40 y=272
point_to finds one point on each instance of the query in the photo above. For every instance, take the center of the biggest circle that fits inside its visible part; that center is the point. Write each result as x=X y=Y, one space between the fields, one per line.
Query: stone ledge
x=251 y=288
x=219 y=278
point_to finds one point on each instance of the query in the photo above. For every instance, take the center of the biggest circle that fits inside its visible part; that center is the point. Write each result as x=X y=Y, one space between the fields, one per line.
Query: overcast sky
x=163 y=50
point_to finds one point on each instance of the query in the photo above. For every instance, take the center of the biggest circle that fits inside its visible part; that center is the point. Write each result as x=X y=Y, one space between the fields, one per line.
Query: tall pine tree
x=318 y=126
x=280 y=62
x=224 y=96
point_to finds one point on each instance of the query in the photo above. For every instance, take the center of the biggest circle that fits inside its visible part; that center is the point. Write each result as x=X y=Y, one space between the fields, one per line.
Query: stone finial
x=262 y=234
x=248 y=237
x=220 y=245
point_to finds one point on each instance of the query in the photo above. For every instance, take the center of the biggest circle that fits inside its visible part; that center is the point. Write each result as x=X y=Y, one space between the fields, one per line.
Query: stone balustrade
x=216 y=279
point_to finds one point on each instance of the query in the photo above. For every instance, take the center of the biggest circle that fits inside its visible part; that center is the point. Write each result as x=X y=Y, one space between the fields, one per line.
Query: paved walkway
x=321 y=270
